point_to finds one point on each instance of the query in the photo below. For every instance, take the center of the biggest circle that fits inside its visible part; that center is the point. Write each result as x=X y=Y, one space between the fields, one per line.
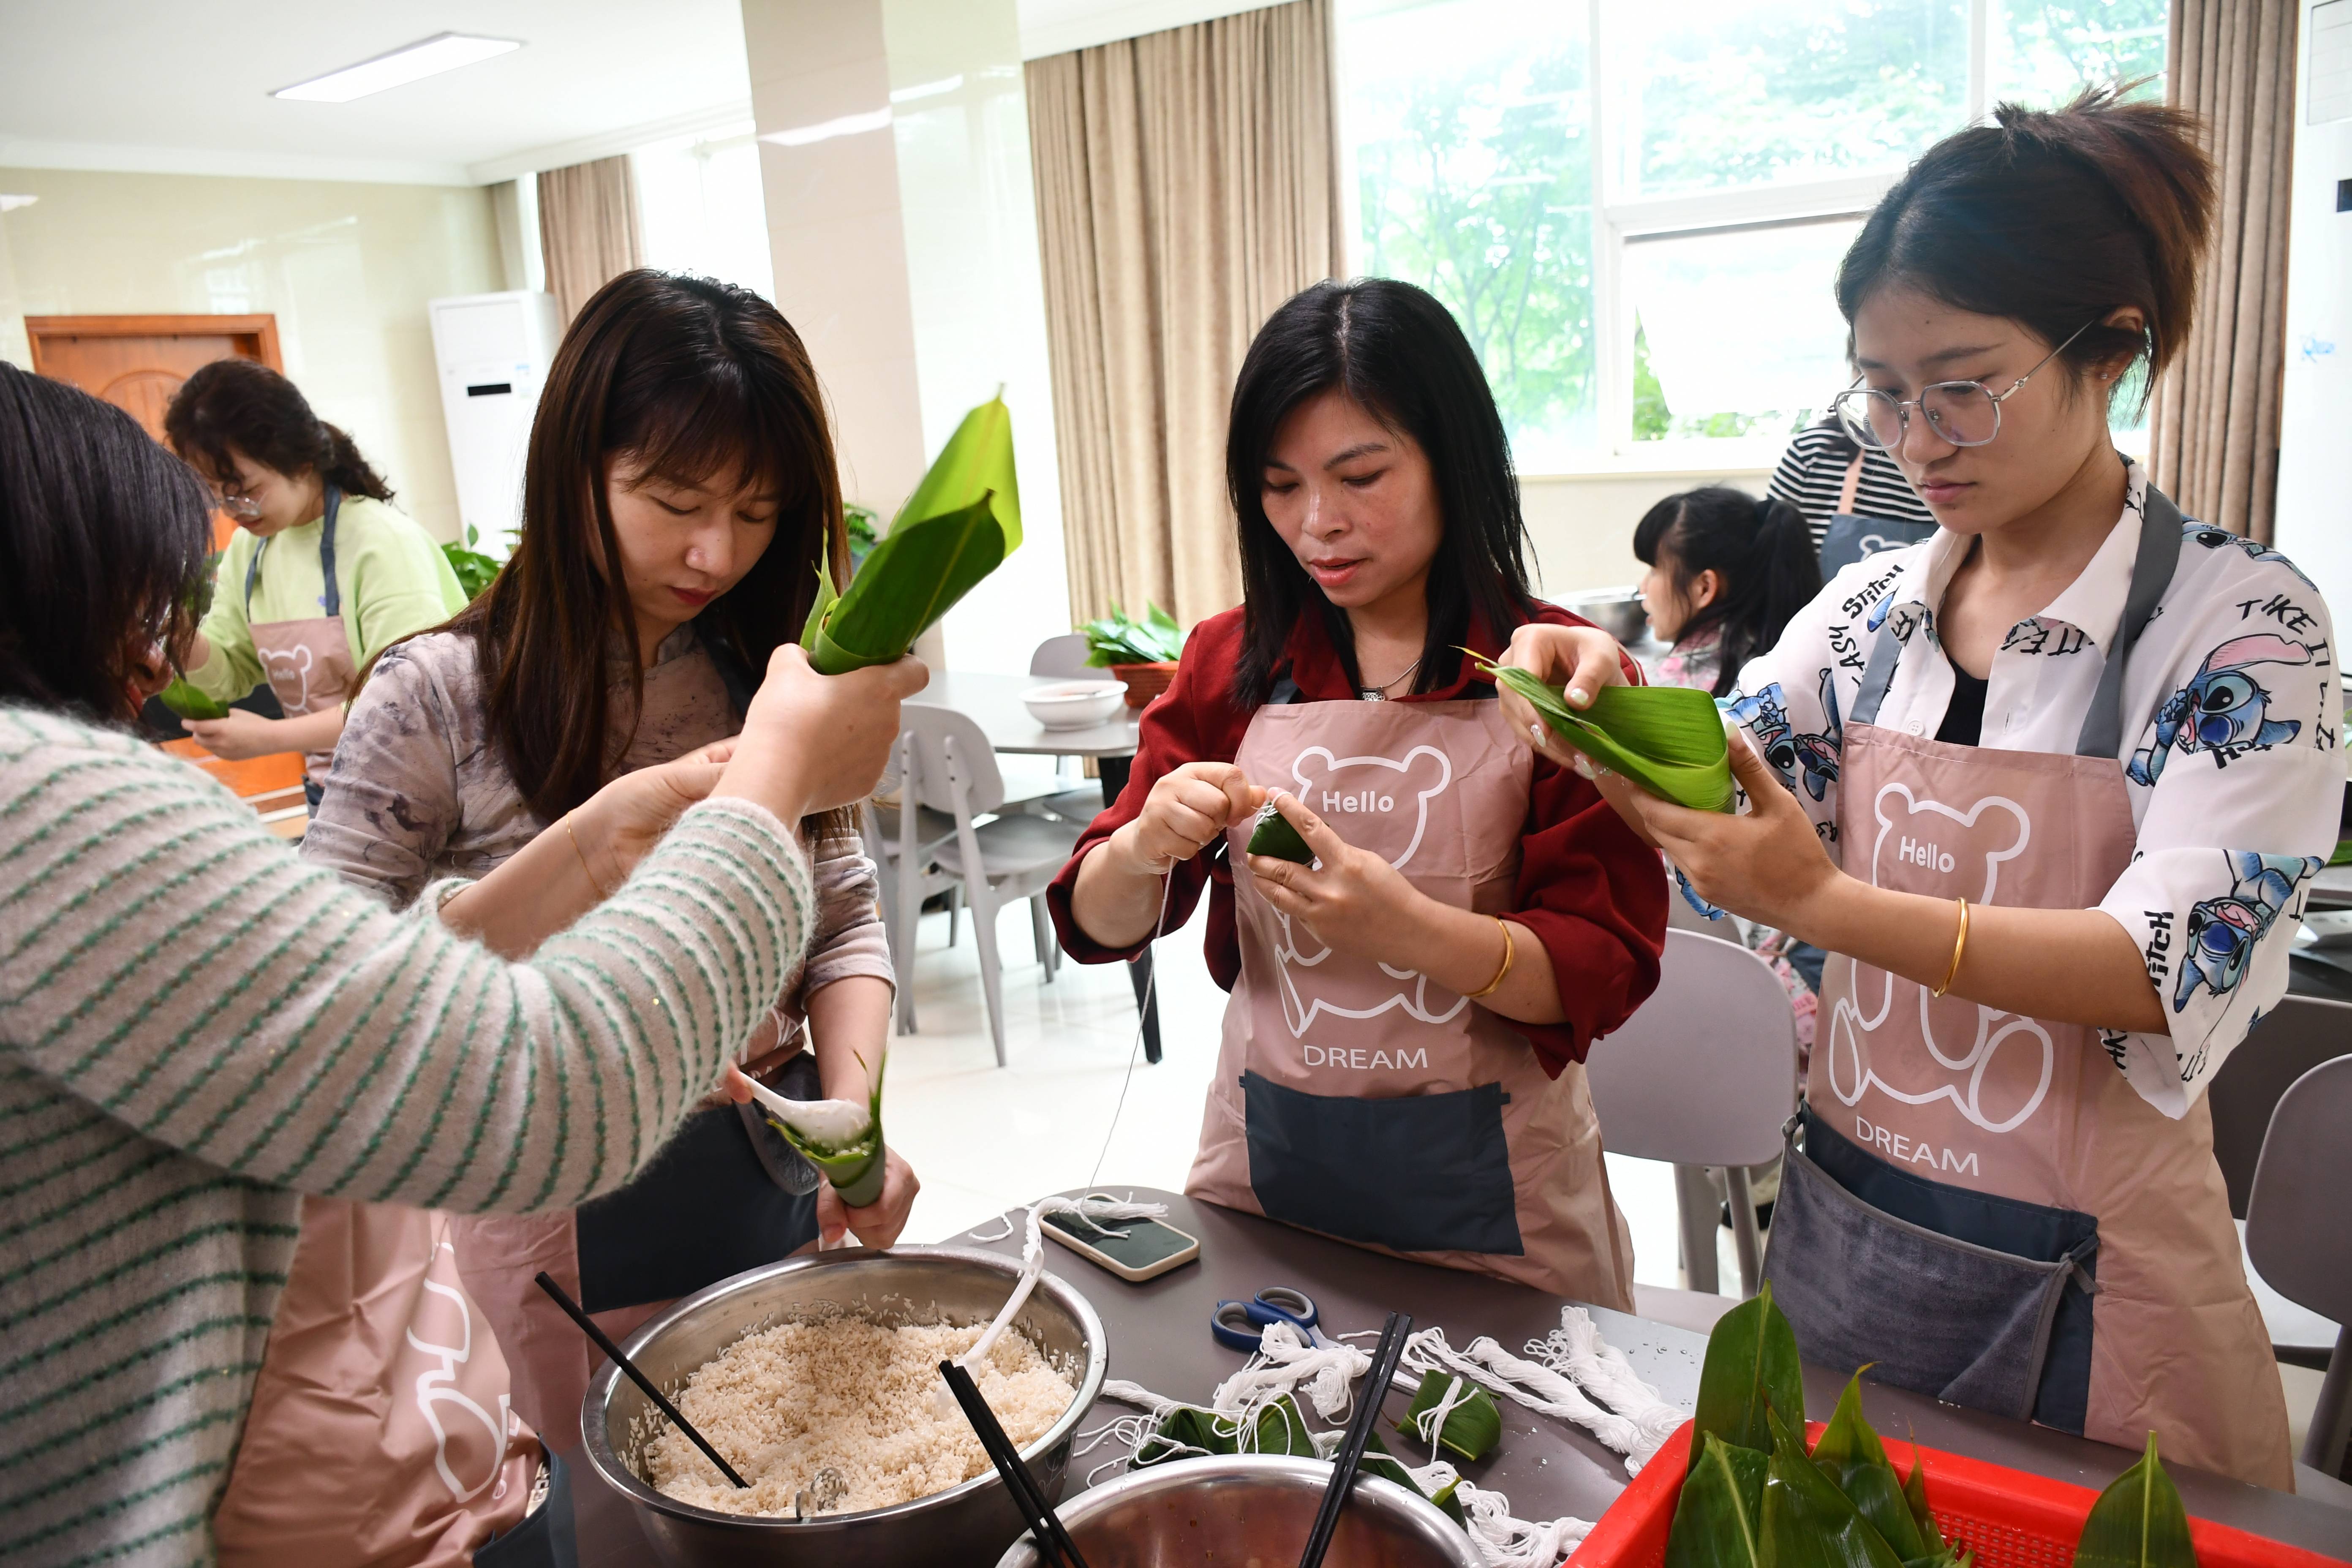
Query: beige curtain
x=2215 y=427
x=1186 y=185
x=588 y=229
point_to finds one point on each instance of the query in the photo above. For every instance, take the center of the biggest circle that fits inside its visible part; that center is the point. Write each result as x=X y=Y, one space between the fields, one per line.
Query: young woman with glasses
x=2051 y=787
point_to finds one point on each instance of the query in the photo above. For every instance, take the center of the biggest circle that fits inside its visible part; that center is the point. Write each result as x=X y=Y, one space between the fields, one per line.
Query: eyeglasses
x=238 y=504
x=1963 y=413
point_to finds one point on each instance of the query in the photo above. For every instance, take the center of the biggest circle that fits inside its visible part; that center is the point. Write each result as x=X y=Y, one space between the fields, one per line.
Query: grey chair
x=895 y=841
x=1063 y=658
x=1703 y=1075
x=2296 y=1236
x=2299 y=1035
x=949 y=768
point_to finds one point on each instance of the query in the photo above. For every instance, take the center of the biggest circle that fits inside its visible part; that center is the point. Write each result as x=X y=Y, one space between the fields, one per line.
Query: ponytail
x=236 y=404
x=2055 y=219
x=1762 y=550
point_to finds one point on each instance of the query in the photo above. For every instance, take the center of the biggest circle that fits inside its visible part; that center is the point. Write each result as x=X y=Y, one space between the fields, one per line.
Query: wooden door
x=137 y=363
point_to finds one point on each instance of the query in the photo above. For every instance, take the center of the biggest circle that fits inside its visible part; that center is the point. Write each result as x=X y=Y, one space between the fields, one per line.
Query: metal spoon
x=825 y=1489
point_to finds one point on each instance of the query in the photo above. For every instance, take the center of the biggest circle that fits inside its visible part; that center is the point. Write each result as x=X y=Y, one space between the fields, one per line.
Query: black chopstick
x=1054 y=1547
x=1385 y=1356
x=605 y=1343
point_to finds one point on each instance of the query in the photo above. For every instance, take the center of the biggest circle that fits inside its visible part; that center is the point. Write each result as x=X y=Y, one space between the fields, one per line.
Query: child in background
x=1726 y=570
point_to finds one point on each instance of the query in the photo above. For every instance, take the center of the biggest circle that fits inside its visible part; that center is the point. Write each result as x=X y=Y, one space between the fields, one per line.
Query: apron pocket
x=711 y=1206
x=1424 y=1172
x=1978 y=1300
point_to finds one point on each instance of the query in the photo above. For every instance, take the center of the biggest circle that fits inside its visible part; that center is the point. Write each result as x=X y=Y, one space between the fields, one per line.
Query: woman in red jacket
x=1401 y=1051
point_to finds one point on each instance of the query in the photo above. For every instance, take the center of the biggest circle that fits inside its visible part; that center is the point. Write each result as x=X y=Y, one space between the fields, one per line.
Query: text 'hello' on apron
x=1372 y=1104
x=307 y=660
x=1980 y=1203
x=1851 y=536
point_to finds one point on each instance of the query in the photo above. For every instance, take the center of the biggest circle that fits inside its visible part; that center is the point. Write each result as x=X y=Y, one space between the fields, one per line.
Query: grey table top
x=1159 y=1334
x=993 y=702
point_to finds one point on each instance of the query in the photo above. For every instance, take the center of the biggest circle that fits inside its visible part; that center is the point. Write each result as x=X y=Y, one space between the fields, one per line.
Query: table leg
x=1138 y=971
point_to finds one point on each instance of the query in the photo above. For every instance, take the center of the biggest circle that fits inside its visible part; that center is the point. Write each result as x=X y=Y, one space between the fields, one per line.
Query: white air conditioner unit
x=492 y=351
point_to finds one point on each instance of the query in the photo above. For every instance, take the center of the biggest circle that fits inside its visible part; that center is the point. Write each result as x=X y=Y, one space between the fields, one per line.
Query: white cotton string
x=1526 y=1383
x=1033 y=1264
x=1283 y=1364
x=1508 y=1543
x=1576 y=1349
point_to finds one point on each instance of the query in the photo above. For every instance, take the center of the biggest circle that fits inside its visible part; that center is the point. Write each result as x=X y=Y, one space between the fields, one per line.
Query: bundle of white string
x=1508 y=1543
x=1285 y=1362
x=1577 y=1349
x=1526 y=1383
x=1033 y=1264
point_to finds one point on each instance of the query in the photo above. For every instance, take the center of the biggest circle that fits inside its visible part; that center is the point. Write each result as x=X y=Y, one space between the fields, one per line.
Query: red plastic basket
x=2010 y=1518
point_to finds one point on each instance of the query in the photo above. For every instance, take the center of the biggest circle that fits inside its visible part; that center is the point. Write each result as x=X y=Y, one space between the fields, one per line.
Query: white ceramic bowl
x=1074 y=704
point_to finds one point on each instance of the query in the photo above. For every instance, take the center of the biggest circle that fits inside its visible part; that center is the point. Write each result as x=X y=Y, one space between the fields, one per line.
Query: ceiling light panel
x=429 y=56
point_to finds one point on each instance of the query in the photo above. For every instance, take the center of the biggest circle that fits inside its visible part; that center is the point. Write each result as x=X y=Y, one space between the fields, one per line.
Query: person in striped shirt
x=196 y=1027
x=1826 y=471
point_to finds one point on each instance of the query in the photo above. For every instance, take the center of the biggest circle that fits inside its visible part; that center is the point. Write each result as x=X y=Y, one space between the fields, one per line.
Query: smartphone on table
x=1148 y=1250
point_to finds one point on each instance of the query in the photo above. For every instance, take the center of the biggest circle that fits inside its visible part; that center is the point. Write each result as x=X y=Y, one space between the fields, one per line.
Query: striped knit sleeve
x=166 y=960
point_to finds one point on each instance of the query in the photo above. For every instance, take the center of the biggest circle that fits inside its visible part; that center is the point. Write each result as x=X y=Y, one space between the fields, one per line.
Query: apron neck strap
x=2160 y=525
x=1852 y=486
x=330 y=603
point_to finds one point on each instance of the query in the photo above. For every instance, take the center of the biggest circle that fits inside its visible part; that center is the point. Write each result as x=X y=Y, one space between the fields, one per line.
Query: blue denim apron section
x=1993 y=1294
x=547 y=1538
x=1439 y=1177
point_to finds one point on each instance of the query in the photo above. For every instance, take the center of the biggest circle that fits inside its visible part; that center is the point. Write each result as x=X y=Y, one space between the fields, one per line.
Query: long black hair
x=1761 y=549
x=236 y=403
x=103 y=541
x=1394 y=349
x=2053 y=218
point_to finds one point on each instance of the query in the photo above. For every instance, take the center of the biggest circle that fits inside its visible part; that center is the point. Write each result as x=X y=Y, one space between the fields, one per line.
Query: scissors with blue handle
x=1240 y=1325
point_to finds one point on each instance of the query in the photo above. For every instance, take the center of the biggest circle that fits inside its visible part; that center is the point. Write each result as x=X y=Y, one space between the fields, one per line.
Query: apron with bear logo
x=308 y=660
x=1980 y=1203
x=1370 y=1103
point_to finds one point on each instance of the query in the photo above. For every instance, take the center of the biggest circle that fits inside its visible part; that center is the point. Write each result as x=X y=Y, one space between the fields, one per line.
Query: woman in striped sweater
x=196 y=1027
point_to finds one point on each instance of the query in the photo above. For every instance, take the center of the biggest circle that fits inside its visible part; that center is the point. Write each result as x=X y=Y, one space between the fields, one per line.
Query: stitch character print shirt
x=2231 y=722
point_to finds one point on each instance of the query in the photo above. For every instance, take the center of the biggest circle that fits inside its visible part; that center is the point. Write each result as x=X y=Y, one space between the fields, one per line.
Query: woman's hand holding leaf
x=812 y=742
x=1768 y=865
x=1188 y=809
x=1582 y=659
x=1354 y=901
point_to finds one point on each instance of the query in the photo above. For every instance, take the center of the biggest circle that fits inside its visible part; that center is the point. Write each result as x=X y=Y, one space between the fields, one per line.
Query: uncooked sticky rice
x=849 y=1395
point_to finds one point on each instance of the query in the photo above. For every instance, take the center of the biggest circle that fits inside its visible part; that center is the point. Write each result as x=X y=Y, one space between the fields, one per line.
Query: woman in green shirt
x=347 y=573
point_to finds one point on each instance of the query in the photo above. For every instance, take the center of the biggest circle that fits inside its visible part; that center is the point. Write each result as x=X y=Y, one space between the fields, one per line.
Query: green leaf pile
x=1667 y=739
x=1187 y=1431
x=1753 y=1498
x=960 y=523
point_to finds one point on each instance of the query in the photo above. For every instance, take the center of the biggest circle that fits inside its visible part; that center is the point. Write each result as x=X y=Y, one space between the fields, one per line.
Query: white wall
x=1582 y=527
x=2316 y=408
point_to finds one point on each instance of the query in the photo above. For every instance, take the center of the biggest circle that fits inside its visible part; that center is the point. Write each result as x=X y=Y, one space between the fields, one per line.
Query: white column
x=895 y=166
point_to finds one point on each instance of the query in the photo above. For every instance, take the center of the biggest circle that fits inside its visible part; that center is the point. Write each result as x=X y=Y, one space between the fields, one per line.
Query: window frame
x=1617 y=223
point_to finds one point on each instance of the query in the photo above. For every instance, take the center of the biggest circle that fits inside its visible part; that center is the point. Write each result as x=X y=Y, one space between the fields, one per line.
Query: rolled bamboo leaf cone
x=1274 y=835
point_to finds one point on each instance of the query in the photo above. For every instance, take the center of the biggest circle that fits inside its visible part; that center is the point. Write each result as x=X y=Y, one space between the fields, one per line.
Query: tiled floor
x=984 y=1139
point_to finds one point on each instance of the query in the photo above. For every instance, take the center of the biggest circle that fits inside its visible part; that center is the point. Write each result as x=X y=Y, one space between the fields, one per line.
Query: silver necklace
x=1381 y=693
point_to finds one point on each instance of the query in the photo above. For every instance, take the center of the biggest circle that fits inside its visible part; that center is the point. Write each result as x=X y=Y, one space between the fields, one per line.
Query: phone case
x=1128 y=1272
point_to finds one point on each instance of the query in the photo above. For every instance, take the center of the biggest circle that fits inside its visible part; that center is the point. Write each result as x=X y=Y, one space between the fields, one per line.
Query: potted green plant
x=1141 y=653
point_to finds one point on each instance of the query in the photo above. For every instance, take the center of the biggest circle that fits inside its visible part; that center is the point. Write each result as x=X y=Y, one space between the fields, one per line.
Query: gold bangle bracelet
x=590 y=872
x=1960 y=946
x=1510 y=951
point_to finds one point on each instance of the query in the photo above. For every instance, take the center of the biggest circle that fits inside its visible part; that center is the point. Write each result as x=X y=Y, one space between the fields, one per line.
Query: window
x=1636 y=212
x=698 y=198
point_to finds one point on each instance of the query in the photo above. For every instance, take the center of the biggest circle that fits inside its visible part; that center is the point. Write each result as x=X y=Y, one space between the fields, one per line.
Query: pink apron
x=1981 y=1203
x=380 y=1435
x=307 y=661
x=1370 y=1103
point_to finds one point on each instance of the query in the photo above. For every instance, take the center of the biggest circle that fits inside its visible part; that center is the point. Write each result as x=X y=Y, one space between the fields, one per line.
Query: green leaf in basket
x=1807 y=1522
x=1751 y=1369
x=1914 y=1494
x=960 y=523
x=2137 y=1522
x=1274 y=835
x=1851 y=1455
x=190 y=703
x=1667 y=739
x=1718 y=1518
x=1472 y=1428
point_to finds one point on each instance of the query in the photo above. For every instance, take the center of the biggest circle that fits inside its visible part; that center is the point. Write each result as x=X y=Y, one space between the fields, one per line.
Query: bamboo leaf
x=1718 y=1518
x=1851 y=1455
x=2137 y=1522
x=1274 y=835
x=1281 y=1429
x=856 y=1170
x=1914 y=1494
x=960 y=523
x=1807 y=1521
x=1667 y=739
x=1751 y=1368
x=188 y=702
x=1472 y=1428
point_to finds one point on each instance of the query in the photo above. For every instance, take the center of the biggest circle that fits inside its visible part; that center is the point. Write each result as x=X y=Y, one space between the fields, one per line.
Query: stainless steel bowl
x=965 y=1524
x=1617 y=611
x=1249 y=1508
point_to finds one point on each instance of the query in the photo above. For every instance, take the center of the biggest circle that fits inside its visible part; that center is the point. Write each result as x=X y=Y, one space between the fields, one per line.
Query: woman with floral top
x=2052 y=786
